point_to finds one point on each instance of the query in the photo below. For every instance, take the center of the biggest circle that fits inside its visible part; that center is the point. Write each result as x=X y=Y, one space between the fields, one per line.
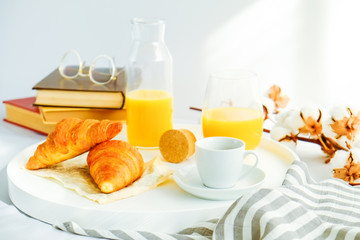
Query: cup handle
x=250 y=152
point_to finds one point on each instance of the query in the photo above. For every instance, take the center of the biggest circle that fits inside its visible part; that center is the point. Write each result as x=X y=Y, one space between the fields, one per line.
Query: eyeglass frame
x=91 y=68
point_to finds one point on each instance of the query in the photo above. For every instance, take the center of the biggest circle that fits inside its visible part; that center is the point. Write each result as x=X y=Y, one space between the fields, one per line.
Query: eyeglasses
x=101 y=71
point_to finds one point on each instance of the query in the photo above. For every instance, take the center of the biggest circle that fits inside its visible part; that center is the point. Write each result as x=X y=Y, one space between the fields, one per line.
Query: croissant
x=71 y=137
x=114 y=164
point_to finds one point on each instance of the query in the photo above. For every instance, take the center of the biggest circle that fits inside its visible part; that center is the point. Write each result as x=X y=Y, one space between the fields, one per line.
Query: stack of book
x=58 y=98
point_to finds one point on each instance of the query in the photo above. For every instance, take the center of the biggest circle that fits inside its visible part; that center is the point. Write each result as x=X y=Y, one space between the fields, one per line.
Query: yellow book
x=55 y=114
x=54 y=90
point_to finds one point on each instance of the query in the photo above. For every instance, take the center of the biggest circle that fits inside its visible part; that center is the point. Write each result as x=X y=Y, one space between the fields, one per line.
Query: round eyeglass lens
x=70 y=64
x=102 y=70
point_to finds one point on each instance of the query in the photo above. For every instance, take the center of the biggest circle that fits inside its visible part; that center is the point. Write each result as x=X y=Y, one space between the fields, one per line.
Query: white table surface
x=16 y=225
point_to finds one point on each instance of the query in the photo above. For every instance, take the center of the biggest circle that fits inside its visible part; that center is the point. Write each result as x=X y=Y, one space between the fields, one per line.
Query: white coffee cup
x=219 y=161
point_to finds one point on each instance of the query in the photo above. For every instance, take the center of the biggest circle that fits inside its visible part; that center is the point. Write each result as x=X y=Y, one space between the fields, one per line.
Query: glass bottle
x=149 y=101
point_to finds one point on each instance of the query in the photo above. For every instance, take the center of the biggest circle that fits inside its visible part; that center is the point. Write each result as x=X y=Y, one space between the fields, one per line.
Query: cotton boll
x=282 y=116
x=339 y=112
x=310 y=111
x=339 y=159
x=278 y=132
x=294 y=122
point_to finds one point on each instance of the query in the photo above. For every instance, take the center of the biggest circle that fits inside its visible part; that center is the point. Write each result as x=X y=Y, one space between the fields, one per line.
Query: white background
x=311 y=48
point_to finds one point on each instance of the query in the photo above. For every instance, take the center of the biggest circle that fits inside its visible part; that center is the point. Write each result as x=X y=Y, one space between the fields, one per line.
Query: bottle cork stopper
x=177 y=145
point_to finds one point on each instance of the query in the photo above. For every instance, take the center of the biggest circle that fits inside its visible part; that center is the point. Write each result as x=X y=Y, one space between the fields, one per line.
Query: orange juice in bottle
x=149 y=84
x=148 y=116
x=243 y=123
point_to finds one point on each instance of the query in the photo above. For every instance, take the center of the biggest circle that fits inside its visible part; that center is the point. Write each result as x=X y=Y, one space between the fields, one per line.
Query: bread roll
x=114 y=165
x=71 y=137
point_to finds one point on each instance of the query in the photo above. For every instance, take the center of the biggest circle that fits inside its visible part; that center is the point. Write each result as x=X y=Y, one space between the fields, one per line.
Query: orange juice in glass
x=243 y=123
x=233 y=107
x=148 y=116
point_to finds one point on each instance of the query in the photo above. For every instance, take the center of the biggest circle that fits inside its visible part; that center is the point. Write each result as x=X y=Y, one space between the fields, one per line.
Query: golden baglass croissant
x=115 y=164
x=71 y=137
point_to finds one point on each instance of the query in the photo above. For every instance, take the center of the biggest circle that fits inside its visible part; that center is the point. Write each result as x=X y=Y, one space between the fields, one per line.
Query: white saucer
x=189 y=180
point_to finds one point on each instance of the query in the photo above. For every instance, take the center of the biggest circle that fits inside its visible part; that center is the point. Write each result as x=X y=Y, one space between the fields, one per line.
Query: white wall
x=311 y=48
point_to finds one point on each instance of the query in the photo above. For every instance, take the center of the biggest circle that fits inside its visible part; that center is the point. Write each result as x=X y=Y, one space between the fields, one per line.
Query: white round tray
x=166 y=208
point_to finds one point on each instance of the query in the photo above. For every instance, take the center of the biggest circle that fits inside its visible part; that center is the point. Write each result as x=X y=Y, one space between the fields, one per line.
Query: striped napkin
x=201 y=231
x=300 y=209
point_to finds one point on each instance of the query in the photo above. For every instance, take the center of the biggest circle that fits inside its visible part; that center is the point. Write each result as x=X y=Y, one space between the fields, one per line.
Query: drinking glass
x=232 y=107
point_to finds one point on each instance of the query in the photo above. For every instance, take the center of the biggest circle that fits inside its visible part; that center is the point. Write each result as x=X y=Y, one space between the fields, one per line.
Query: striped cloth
x=300 y=209
x=201 y=231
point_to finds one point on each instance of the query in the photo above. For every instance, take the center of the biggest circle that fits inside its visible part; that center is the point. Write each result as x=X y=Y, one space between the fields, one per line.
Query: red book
x=23 y=113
